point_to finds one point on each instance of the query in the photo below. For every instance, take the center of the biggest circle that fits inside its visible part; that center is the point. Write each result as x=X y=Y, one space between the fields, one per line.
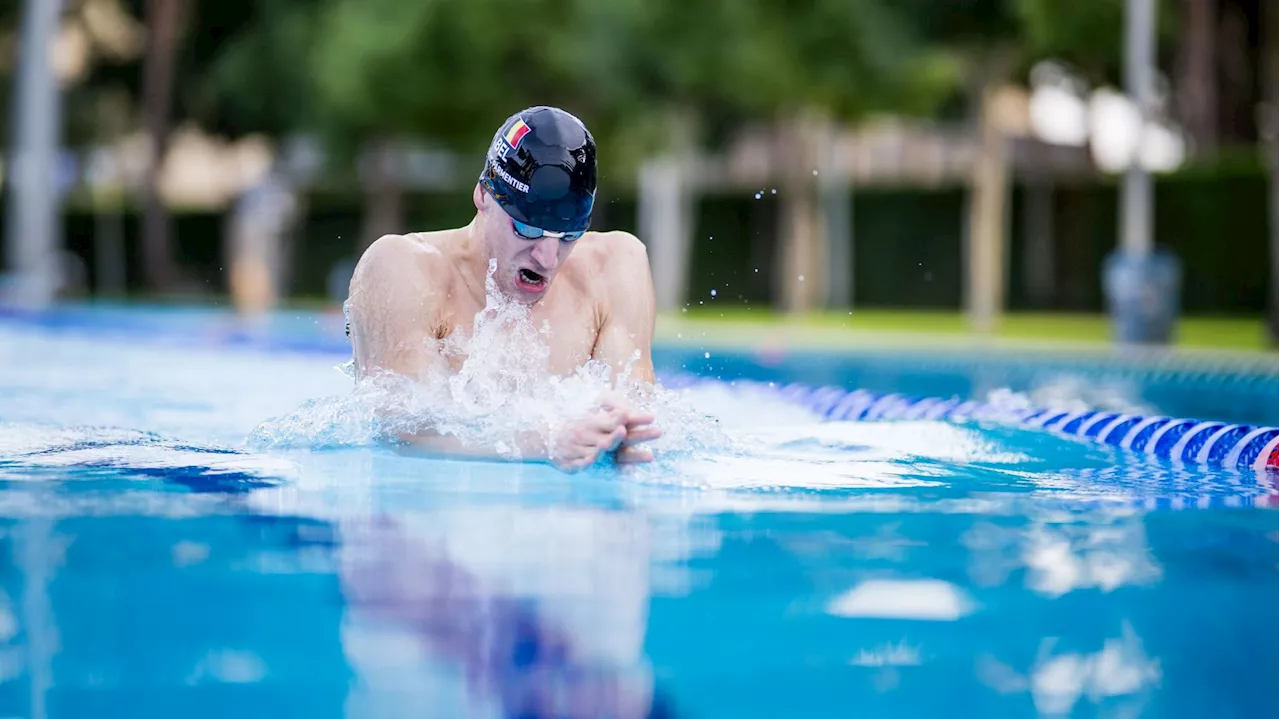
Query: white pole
x=1139 y=73
x=665 y=228
x=987 y=250
x=31 y=245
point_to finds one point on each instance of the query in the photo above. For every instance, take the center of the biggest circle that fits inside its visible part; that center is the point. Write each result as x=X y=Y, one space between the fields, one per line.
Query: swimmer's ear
x=477 y=197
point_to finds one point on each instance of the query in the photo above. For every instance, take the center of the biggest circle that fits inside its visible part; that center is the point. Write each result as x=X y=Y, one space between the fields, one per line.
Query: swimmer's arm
x=532 y=447
x=397 y=296
x=626 y=338
x=626 y=330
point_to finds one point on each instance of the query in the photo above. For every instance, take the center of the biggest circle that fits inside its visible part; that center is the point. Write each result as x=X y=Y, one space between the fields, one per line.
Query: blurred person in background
x=529 y=242
x=261 y=220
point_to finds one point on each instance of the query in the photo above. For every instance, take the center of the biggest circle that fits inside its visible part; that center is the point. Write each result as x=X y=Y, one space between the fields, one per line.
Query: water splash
x=489 y=388
x=1074 y=393
x=500 y=390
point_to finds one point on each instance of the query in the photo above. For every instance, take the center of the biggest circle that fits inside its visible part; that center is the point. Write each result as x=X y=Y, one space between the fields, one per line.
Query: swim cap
x=541 y=168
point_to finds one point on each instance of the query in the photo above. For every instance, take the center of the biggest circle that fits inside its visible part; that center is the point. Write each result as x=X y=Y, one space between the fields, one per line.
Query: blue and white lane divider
x=1212 y=444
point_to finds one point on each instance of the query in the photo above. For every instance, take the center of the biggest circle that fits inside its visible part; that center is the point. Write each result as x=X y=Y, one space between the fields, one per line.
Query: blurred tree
x=700 y=69
x=365 y=75
x=447 y=71
x=645 y=76
x=248 y=70
x=9 y=16
x=1268 y=113
x=1000 y=41
x=1197 y=96
x=1089 y=36
x=164 y=20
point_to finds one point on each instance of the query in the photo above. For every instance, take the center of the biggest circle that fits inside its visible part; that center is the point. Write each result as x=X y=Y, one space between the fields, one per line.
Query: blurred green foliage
x=646 y=76
x=451 y=71
x=1087 y=35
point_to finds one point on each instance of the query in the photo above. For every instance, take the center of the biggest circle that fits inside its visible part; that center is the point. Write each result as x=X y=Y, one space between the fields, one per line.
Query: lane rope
x=1211 y=444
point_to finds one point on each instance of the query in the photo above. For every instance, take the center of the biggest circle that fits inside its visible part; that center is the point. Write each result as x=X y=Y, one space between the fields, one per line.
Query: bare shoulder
x=396 y=296
x=617 y=242
x=614 y=254
x=616 y=269
x=399 y=267
x=392 y=255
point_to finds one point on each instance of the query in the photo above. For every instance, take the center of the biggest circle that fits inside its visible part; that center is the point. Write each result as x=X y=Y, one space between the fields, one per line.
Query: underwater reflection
x=502 y=617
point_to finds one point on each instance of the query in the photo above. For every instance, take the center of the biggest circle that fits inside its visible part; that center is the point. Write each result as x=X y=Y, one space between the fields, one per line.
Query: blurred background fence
x=908 y=243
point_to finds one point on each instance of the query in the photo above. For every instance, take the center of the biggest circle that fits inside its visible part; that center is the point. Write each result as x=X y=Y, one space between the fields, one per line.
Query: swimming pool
x=167 y=552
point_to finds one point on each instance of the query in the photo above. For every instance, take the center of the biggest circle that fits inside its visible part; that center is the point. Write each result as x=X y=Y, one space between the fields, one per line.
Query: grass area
x=739 y=324
x=749 y=326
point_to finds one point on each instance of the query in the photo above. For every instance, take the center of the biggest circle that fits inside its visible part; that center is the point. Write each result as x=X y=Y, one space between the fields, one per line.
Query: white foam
x=1063 y=554
x=1059 y=562
x=889 y=655
x=920 y=599
x=1066 y=392
x=1120 y=669
x=108 y=447
x=215 y=393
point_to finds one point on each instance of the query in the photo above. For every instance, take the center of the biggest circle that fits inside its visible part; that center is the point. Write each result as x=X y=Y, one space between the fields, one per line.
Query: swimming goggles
x=529 y=232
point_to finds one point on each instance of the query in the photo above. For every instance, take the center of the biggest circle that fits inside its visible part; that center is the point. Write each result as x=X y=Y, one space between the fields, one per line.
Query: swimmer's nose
x=546 y=252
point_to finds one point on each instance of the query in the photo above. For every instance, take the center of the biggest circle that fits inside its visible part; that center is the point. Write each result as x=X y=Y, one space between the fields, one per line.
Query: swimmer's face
x=525 y=267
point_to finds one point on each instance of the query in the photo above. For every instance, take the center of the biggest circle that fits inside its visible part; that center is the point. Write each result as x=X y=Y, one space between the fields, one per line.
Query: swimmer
x=593 y=289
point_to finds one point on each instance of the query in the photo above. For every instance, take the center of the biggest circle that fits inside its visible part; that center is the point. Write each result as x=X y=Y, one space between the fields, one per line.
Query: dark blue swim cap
x=541 y=168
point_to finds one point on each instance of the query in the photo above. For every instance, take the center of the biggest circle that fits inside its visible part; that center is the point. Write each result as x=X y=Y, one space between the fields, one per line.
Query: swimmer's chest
x=570 y=333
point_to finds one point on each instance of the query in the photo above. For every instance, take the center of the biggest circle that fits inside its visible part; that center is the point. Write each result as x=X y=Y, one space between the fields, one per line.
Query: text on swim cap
x=506 y=176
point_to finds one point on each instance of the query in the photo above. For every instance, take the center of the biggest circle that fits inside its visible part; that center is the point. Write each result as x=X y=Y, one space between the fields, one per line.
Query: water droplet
x=713 y=293
x=757 y=269
x=774 y=191
x=706 y=355
x=759 y=195
x=802 y=278
x=699 y=301
x=815 y=173
x=684 y=309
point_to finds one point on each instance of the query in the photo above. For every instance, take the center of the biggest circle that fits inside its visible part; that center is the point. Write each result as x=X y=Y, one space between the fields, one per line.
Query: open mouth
x=530 y=281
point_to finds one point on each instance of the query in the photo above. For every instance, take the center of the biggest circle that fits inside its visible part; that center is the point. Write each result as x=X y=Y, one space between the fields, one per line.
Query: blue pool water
x=160 y=557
